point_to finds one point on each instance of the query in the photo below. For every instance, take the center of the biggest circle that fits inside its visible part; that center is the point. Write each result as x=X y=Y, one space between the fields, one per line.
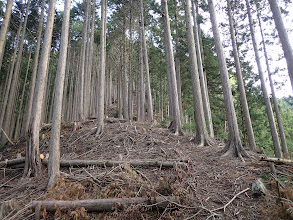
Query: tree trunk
x=203 y=84
x=32 y=162
x=240 y=81
x=176 y=124
x=124 y=77
x=54 y=159
x=234 y=145
x=141 y=84
x=177 y=63
x=20 y=113
x=101 y=89
x=275 y=101
x=130 y=83
x=16 y=76
x=34 y=74
x=4 y=29
x=287 y=48
x=277 y=148
x=147 y=69
x=202 y=137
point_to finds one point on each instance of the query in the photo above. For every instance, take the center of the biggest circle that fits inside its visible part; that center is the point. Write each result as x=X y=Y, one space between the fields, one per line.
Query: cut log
x=8 y=163
x=99 y=205
x=276 y=160
x=101 y=163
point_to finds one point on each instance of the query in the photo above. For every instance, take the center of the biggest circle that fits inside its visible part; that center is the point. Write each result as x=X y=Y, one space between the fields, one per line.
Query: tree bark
x=106 y=204
x=173 y=95
x=101 y=89
x=32 y=162
x=203 y=84
x=34 y=73
x=287 y=48
x=275 y=101
x=124 y=77
x=277 y=148
x=4 y=29
x=130 y=83
x=141 y=84
x=234 y=145
x=54 y=159
x=240 y=81
x=147 y=69
x=202 y=137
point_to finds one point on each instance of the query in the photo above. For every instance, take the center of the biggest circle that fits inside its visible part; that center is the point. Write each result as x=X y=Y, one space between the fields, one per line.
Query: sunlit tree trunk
x=32 y=159
x=54 y=159
x=234 y=145
x=240 y=81
x=276 y=142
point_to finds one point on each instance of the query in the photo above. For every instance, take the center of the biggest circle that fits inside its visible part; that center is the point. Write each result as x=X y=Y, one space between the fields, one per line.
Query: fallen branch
x=105 y=204
x=83 y=163
x=12 y=162
x=234 y=197
x=276 y=160
x=7 y=136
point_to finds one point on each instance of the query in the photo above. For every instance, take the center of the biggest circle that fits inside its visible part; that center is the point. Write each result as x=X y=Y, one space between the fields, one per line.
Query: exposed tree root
x=235 y=149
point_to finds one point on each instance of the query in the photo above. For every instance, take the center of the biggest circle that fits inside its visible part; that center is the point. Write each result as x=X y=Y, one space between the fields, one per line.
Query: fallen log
x=106 y=204
x=12 y=162
x=276 y=160
x=101 y=163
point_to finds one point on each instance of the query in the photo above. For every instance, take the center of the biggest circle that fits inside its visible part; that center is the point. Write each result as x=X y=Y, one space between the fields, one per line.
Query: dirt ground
x=204 y=186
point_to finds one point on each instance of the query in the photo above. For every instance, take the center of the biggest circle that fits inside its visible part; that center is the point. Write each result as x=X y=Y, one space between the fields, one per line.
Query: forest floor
x=207 y=184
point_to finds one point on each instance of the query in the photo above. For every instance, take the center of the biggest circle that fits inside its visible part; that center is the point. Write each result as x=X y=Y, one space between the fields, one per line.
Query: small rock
x=258 y=188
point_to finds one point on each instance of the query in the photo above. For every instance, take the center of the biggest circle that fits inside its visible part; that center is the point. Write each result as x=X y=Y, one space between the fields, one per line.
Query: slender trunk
x=202 y=137
x=273 y=128
x=176 y=124
x=101 y=90
x=147 y=69
x=130 y=83
x=275 y=101
x=203 y=84
x=16 y=75
x=234 y=145
x=34 y=74
x=32 y=160
x=124 y=77
x=177 y=62
x=240 y=81
x=54 y=159
x=287 y=48
x=4 y=29
x=142 y=89
x=20 y=113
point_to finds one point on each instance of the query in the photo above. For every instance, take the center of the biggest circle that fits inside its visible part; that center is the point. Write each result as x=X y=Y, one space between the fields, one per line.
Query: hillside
x=202 y=187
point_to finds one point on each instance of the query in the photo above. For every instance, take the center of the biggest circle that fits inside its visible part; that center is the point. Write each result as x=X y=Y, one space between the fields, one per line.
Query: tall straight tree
x=141 y=99
x=32 y=159
x=124 y=77
x=275 y=101
x=4 y=29
x=240 y=81
x=276 y=142
x=234 y=145
x=34 y=73
x=287 y=48
x=147 y=69
x=101 y=89
x=130 y=82
x=54 y=159
x=176 y=125
x=202 y=137
x=203 y=84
